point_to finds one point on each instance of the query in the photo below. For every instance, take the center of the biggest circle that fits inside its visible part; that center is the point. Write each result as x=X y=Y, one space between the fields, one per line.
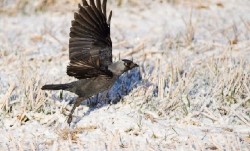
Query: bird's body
x=85 y=88
x=90 y=54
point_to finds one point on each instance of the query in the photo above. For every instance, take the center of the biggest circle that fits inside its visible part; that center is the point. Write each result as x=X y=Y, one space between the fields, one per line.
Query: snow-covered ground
x=191 y=92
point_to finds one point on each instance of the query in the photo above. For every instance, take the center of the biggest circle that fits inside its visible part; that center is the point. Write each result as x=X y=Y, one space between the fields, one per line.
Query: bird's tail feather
x=56 y=87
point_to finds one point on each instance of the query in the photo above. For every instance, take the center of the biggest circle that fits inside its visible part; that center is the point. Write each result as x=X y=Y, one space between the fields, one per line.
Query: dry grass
x=28 y=7
x=190 y=30
x=14 y=7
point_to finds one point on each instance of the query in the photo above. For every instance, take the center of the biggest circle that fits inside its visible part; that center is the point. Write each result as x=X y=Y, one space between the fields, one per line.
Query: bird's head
x=122 y=66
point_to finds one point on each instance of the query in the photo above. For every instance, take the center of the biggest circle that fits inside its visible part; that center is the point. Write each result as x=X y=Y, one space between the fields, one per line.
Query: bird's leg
x=97 y=99
x=77 y=103
x=105 y=95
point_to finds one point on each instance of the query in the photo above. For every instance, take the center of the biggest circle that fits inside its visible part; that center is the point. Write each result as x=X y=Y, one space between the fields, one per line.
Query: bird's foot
x=77 y=103
x=69 y=119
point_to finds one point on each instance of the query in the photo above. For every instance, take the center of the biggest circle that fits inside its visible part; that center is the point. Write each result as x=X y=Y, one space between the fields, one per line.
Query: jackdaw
x=90 y=54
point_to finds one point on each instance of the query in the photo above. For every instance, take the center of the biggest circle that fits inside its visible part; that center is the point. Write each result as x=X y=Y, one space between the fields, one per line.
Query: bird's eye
x=126 y=64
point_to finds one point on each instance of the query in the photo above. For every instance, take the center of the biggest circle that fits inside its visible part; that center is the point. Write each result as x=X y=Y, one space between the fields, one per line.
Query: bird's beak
x=136 y=65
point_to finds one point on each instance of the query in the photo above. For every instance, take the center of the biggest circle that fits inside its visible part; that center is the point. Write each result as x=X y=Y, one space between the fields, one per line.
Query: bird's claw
x=69 y=119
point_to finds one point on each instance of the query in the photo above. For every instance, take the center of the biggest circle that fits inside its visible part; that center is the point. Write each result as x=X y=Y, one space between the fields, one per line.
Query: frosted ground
x=192 y=91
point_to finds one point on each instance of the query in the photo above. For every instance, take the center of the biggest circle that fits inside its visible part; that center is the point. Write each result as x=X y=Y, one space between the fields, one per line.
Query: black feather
x=56 y=87
x=90 y=37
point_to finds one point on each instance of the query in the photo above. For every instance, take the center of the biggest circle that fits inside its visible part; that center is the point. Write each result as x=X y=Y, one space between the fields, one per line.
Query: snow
x=191 y=91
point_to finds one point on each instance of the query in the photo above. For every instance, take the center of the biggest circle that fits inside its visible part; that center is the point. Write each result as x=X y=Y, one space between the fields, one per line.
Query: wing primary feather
x=109 y=20
x=98 y=4
x=99 y=18
x=86 y=30
x=85 y=16
x=88 y=14
x=92 y=3
x=102 y=16
x=104 y=3
x=82 y=21
x=86 y=21
x=85 y=3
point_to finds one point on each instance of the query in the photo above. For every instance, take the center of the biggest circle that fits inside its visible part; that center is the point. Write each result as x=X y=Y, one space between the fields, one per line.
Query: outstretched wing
x=90 y=46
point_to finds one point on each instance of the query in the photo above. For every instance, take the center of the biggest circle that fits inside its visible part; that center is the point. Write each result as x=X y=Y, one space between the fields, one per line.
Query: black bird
x=90 y=54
